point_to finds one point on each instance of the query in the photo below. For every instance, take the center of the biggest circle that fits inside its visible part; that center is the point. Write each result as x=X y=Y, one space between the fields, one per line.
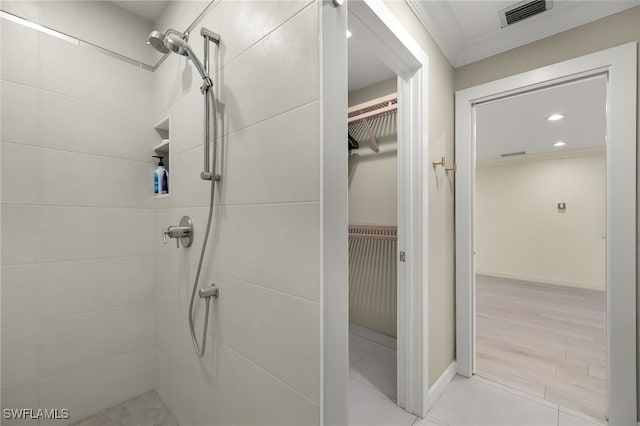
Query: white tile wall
x=24 y=8
x=20 y=57
x=168 y=82
x=186 y=112
x=273 y=245
x=117 y=29
x=20 y=173
x=93 y=388
x=90 y=75
x=257 y=85
x=19 y=295
x=20 y=111
x=19 y=355
x=174 y=342
x=74 y=179
x=262 y=362
x=161 y=376
x=252 y=396
x=190 y=399
x=186 y=187
x=95 y=284
x=95 y=336
x=97 y=129
x=20 y=236
x=283 y=332
x=251 y=22
x=247 y=240
x=251 y=156
x=69 y=233
x=22 y=395
x=87 y=227
x=78 y=309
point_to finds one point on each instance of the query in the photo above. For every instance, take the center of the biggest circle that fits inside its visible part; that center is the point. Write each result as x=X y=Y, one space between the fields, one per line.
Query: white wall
x=77 y=217
x=262 y=364
x=373 y=177
x=522 y=235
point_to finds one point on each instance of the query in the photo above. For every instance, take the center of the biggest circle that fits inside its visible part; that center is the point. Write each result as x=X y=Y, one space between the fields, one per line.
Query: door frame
x=398 y=50
x=390 y=42
x=619 y=64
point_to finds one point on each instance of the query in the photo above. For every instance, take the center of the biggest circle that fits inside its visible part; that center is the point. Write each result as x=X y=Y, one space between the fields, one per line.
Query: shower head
x=174 y=41
x=160 y=41
x=176 y=44
x=181 y=47
x=156 y=40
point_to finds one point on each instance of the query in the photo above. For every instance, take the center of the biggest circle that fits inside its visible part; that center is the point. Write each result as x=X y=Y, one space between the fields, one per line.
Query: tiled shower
x=94 y=305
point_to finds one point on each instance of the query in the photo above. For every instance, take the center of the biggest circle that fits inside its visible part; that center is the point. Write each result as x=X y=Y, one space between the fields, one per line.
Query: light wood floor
x=545 y=340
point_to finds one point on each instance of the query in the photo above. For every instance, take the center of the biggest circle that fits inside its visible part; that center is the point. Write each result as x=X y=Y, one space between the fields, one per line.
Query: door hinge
x=402 y=256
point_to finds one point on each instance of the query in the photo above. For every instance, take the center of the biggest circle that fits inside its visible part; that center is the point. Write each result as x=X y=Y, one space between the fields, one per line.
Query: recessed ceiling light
x=555 y=117
x=349 y=34
x=559 y=144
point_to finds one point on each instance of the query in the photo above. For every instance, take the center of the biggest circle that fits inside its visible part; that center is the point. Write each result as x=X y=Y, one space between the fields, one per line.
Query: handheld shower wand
x=174 y=41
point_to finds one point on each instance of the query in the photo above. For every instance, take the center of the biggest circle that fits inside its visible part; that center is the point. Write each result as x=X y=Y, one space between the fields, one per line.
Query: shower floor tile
x=144 y=410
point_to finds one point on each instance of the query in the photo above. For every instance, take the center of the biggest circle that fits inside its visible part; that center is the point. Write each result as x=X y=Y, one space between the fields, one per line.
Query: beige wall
x=441 y=219
x=381 y=88
x=614 y=30
x=521 y=234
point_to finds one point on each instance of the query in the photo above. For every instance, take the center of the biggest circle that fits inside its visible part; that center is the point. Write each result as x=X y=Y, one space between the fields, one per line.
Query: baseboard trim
x=542 y=280
x=372 y=335
x=441 y=384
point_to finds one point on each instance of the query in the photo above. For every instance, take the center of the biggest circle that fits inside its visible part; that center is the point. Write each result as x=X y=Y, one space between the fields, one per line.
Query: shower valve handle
x=182 y=233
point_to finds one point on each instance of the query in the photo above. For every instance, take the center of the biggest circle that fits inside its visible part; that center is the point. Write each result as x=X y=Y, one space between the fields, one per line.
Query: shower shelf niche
x=163 y=149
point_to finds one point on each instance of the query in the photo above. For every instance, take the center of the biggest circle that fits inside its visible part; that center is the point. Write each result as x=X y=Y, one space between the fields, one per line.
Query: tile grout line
x=79 y=314
x=242 y=280
x=39 y=88
x=121 y=355
x=222 y=138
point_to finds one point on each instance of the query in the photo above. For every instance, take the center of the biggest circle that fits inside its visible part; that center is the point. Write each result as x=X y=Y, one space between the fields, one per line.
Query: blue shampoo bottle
x=160 y=178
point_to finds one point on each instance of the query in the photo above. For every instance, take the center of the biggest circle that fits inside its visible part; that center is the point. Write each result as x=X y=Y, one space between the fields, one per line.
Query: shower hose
x=210 y=98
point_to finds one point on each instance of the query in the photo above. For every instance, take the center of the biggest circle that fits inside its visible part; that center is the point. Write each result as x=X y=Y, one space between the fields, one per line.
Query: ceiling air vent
x=523 y=10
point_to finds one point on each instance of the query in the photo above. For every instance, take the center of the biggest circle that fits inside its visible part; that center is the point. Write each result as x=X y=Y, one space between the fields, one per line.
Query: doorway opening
x=372 y=233
x=394 y=47
x=618 y=65
x=540 y=263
